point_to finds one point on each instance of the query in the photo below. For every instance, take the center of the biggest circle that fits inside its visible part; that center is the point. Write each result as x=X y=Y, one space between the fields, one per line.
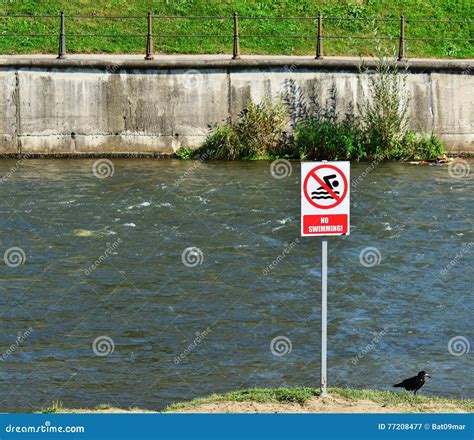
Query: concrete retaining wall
x=119 y=105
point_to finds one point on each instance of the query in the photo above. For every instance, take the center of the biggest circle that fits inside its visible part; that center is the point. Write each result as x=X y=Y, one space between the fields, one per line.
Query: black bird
x=413 y=383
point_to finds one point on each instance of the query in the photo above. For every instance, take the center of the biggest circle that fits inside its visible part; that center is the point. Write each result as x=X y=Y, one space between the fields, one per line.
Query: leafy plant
x=320 y=131
x=384 y=112
x=418 y=146
x=222 y=143
x=329 y=140
x=260 y=127
x=184 y=153
x=378 y=132
x=258 y=132
x=56 y=406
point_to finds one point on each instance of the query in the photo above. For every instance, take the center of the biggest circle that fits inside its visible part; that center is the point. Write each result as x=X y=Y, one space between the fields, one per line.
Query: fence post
x=149 y=38
x=62 y=38
x=319 y=40
x=236 y=50
x=401 y=47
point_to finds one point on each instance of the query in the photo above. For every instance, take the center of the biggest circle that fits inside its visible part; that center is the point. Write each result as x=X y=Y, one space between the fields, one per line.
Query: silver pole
x=324 y=315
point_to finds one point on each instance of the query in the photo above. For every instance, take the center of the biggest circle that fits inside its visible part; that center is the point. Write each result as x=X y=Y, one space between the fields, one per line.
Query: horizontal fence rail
x=149 y=21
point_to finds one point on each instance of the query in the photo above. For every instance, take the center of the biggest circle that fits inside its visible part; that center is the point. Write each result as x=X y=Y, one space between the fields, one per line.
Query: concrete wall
x=117 y=106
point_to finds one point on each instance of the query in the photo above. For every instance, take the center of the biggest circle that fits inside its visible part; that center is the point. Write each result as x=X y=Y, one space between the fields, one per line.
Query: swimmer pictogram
x=325 y=186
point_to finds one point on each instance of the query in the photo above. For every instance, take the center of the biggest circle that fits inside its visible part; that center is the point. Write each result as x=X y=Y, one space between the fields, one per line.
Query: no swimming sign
x=325 y=198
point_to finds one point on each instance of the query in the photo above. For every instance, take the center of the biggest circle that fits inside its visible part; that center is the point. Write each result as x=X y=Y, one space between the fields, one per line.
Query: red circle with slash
x=312 y=174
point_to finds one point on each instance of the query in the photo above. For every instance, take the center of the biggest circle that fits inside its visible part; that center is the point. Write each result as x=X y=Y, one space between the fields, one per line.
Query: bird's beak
x=427 y=375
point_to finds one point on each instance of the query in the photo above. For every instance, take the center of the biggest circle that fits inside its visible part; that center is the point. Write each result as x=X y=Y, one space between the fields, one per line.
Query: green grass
x=56 y=407
x=259 y=395
x=414 y=9
x=399 y=398
x=300 y=395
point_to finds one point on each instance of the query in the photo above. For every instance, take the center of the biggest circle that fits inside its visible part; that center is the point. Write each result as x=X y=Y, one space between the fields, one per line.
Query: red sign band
x=325 y=224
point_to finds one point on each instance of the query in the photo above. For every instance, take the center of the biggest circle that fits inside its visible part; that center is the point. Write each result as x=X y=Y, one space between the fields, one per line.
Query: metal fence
x=150 y=20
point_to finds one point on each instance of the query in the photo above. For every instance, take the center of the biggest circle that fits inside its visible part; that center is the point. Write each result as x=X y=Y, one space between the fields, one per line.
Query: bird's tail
x=397 y=385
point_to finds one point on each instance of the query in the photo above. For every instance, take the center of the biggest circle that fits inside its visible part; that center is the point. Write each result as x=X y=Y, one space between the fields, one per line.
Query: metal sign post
x=324 y=315
x=325 y=210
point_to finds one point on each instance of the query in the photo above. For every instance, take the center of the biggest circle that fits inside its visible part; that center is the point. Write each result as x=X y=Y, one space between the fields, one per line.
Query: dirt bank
x=329 y=404
x=301 y=400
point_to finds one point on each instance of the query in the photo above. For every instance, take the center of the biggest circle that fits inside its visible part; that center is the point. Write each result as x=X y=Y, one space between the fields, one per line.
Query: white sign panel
x=325 y=196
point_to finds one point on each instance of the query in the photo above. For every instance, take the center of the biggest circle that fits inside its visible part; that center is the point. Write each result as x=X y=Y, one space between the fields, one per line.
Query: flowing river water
x=89 y=259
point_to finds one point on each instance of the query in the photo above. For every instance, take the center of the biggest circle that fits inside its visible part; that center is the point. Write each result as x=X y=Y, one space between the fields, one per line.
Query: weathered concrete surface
x=453 y=110
x=124 y=104
x=8 y=112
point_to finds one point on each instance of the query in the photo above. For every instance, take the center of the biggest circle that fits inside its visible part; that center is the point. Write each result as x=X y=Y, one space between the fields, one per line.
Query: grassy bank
x=302 y=399
x=299 y=399
x=220 y=29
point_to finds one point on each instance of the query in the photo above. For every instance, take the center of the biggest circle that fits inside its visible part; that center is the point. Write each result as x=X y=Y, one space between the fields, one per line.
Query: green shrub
x=222 y=143
x=384 y=112
x=321 y=133
x=419 y=146
x=378 y=132
x=184 y=153
x=261 y=128
x=258 y=132
x=329 y=139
